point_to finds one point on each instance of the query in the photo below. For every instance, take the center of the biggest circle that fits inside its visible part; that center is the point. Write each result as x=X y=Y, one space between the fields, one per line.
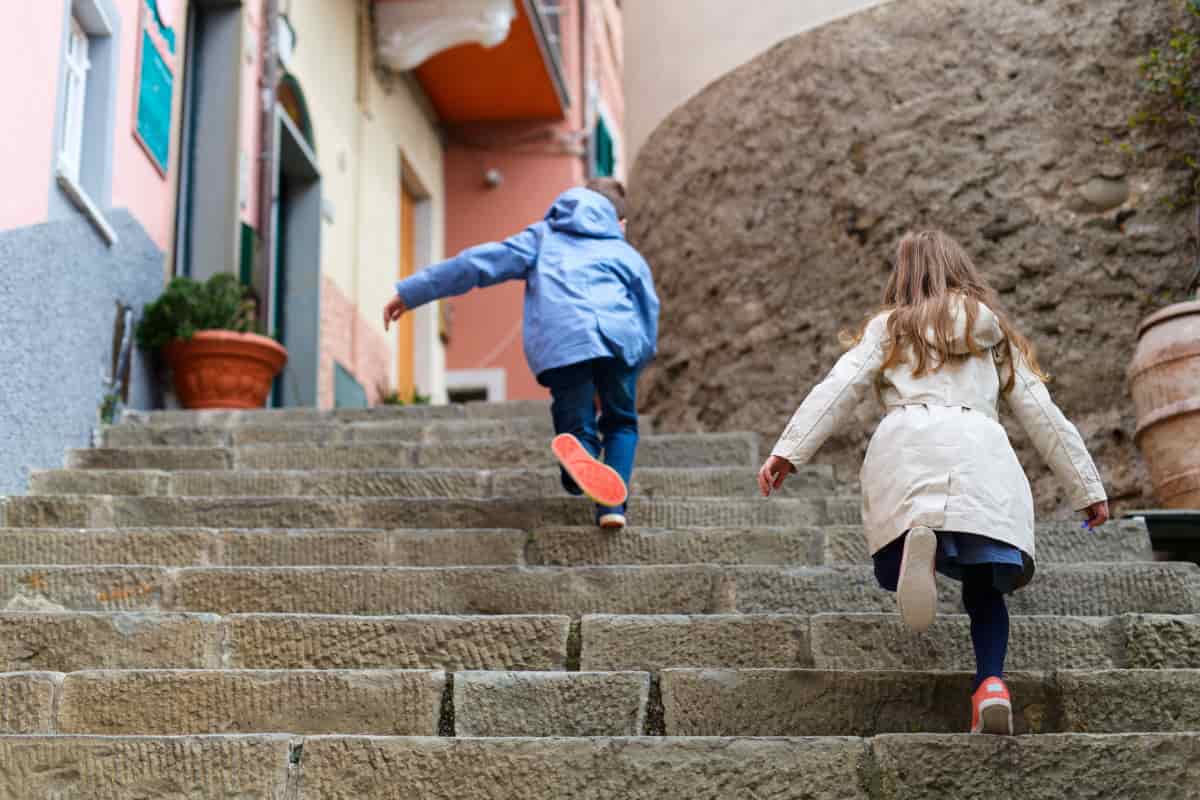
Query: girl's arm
x=828 y=406
x=1056 y=439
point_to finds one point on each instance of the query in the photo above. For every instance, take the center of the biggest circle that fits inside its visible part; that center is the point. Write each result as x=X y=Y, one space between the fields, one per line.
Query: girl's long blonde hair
x=931 y=270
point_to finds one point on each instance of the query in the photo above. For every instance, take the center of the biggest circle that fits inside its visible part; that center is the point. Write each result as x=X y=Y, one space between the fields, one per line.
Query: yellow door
x=406 y=340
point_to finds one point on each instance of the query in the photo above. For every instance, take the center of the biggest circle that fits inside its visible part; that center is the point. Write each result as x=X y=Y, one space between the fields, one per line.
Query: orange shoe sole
x=598 y=481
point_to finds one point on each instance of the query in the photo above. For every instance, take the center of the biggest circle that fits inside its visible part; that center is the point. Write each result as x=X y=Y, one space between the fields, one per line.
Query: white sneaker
x=612 y=522
x=916 y=592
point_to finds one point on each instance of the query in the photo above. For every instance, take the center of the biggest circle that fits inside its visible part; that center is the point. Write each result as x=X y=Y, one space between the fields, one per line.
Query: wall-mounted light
x=492 y=178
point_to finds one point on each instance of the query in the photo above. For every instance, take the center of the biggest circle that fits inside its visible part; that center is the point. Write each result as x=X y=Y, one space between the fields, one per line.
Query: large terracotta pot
x=224 y=369
x=1165 y=380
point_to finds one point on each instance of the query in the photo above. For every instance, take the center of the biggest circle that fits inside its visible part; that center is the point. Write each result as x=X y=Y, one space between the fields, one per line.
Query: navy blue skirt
x=955 y=551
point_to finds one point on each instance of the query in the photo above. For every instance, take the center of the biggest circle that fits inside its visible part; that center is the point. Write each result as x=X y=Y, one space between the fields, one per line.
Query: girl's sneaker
x=598 y=481
x=612 y=521
x=916 y=590
x=991 y=708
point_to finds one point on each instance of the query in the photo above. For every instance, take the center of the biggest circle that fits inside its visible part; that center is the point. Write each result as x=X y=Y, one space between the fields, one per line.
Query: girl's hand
x=773 y=473
x=393 y=311
x=1097 y=514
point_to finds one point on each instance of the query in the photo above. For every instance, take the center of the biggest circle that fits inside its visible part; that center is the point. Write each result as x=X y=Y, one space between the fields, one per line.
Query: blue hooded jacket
x=588 y=293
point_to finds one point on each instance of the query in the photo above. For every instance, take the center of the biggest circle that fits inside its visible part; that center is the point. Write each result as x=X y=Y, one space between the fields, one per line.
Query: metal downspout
x=269 y=161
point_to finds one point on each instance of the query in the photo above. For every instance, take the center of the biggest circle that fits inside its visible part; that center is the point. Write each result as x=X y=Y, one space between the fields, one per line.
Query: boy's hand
x=773 y=473
x=1097 y=514
x=394 y=310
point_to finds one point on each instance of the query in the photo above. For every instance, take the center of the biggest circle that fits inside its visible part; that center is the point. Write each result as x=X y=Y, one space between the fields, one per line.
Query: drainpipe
x=268 y=160
x=585 y=99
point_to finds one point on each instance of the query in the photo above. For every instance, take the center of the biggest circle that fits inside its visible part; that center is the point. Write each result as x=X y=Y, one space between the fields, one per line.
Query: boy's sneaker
x=612 y=521
x=598 y=481
x=991 y=708
x=916 y=591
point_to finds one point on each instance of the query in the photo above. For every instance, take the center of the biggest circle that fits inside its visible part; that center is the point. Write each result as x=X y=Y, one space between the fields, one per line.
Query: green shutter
x=347 y=392
x=603 y=148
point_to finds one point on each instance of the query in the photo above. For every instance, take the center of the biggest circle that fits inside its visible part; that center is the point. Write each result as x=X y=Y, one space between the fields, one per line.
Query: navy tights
x=989 y=621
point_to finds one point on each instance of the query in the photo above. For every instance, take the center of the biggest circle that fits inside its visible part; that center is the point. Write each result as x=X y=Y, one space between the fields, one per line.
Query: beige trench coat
x=940 y=457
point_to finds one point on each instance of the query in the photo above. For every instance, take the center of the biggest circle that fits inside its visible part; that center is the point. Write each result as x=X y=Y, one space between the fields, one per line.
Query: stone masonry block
x=173 y=702
x=550 y=703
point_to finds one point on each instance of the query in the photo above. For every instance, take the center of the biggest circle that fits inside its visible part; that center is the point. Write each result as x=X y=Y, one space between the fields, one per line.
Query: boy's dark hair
x=612 y=189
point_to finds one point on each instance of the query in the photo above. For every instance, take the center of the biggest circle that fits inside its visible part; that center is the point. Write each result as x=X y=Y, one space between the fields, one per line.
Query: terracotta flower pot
x=224 y=369
x=1165 y=380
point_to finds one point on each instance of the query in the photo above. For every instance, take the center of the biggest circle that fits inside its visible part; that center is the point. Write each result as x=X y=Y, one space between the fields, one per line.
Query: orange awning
x=519 y=79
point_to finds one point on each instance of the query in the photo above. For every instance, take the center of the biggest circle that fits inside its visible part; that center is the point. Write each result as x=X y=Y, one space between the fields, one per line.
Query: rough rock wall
x=770 y=204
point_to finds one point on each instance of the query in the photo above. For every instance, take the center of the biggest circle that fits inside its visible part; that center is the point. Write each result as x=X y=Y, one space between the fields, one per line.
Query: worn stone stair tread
x=916 y=766
x=1057 y=541
x=513 y=409
x=664 y=450
x=166 y=546
x=696 y=702
x=882 y=641
x=69 y=641
x=555 y=546
x=119 y=511
x=177 y=702
x=815 y=702
x=490 y=703
x=1081 y=589
x=325 y=432
x=409 y=482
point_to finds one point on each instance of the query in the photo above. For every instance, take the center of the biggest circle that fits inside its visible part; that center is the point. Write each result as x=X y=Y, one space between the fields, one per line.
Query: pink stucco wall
x=30 y=47
x=487 y=324
x=137 y=184
x=30 y=52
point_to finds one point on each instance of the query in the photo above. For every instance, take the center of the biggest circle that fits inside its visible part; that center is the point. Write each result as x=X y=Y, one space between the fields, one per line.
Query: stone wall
x=769 y=206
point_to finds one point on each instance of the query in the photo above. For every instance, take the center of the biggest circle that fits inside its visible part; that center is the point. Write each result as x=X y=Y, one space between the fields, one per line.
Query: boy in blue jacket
x=591 y=324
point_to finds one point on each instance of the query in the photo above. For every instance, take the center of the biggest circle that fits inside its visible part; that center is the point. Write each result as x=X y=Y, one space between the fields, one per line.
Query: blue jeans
x=575 y=389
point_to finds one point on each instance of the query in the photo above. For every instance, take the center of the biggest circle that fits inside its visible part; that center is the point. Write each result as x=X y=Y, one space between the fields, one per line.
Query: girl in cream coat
x=942 y=488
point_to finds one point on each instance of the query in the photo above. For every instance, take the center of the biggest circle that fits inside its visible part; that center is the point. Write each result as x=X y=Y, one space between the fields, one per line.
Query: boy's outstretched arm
x=479 y=266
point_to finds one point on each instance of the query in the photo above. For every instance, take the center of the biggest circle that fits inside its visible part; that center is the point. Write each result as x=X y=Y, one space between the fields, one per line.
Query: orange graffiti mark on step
x=36 y=581
x=125 y=592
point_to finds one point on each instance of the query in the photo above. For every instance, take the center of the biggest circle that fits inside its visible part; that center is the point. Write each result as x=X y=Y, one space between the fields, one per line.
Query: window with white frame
x=76 y=66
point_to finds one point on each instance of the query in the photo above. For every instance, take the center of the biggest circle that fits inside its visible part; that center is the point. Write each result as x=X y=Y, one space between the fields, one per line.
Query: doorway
x=405 y=328
x=294 y=315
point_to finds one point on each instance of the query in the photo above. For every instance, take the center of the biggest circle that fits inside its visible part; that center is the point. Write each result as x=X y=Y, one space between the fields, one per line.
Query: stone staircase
x=400 y=603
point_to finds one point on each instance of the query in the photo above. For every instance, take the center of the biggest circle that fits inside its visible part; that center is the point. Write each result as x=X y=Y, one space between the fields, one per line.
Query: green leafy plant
x=188 y=306
x=1168 y=118
x=391 y=397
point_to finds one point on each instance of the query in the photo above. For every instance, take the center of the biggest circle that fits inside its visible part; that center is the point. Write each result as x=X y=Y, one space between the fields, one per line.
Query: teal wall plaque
x=154 y=99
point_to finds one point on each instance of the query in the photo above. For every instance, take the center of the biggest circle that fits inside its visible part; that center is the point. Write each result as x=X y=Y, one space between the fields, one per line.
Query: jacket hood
x=584 y=213
x=986 y=331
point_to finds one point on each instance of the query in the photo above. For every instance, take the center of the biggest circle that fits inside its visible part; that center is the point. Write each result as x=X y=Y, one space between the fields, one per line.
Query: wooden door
x=406 y=341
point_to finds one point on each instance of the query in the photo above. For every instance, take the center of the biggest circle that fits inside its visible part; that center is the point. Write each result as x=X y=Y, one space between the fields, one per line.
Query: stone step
x=1092 y=589
x=551 y=703
x=73 y=640
x=882 y=641
x=265 y=547
x=119 y=511
x=328 y=432
x=674 y=451
x=77 y=640
x=695 y=702
x=800 y=702
x=517 y=409
x=914 y=767
x=651 y=482
x=174 y=702
x=554 y=546
x=163 y=768
x=1085 y=589
x=1057 y=541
